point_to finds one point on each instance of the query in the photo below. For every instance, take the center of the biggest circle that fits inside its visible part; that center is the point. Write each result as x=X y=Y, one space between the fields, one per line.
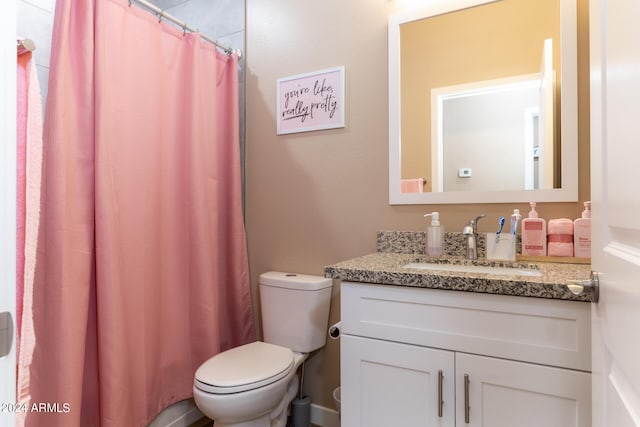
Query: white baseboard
x=324 y=417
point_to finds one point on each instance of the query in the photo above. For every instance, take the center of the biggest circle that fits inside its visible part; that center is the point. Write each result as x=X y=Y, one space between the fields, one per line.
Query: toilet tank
x=295 y=310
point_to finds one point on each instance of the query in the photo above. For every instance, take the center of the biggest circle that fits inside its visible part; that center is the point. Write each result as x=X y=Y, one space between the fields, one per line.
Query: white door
x=493 y=392
x=7 y=203
x=615 y=156
x=388 y=384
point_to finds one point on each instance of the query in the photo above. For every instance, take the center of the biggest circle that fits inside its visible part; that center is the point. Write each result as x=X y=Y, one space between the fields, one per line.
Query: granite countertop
x=387 y=268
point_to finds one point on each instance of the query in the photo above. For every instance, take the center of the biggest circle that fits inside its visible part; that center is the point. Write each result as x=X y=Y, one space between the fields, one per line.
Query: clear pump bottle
x=434 y=244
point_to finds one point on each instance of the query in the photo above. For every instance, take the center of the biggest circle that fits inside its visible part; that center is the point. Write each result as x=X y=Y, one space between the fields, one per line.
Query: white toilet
x=253 y=385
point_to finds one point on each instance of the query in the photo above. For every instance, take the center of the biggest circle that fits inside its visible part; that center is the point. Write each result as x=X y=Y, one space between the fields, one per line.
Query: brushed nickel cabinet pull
x=440 y=401
x=466 y=398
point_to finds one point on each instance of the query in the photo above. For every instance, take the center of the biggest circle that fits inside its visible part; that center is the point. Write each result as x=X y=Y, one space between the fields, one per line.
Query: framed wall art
x=311 y=101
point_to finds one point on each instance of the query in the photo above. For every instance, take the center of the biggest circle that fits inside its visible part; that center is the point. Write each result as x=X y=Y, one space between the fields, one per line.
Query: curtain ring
x=184 y=30
x=130 y=2
x=160 y=15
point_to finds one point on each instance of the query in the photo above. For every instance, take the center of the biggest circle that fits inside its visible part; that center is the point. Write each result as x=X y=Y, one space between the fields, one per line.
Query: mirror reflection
x=457 y=72
x=501 y=119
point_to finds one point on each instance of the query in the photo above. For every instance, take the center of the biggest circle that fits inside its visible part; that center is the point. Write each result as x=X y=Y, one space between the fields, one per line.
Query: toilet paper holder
x=335 y=330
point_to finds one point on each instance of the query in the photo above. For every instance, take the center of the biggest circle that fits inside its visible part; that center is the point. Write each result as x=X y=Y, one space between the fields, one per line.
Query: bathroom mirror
x=449 y=48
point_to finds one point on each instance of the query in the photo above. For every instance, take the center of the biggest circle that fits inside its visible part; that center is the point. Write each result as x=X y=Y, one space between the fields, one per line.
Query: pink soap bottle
x=534 y=234
x=582 y=233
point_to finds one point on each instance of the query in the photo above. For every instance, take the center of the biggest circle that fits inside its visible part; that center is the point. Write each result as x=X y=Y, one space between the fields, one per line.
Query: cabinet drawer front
x=550 y=332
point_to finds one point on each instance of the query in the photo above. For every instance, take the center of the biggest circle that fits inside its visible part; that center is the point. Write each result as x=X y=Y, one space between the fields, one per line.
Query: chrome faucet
x=471 y=231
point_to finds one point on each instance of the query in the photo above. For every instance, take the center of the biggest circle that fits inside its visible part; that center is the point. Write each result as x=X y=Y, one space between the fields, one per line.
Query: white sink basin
x=474 y=268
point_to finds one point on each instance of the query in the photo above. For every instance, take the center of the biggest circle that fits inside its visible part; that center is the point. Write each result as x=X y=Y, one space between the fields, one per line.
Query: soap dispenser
x=534 y=234
x=582 y=233
x=434 y=245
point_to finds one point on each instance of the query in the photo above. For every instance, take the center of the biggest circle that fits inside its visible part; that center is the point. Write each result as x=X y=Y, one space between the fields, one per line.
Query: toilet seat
x=244 y=368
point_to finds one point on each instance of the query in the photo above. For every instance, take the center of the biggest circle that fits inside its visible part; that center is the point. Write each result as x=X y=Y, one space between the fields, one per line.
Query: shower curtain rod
x=185 y=27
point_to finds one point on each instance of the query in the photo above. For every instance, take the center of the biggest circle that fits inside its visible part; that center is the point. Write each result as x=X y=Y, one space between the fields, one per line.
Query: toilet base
x=275 y=418
x=264 y=421
x=268 y=420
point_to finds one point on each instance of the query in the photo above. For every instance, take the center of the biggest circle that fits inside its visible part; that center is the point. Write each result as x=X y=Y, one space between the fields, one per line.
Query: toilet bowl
x=248 y=386
x=253 y=385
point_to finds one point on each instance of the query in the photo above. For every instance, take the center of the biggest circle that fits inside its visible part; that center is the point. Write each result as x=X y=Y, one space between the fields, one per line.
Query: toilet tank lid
x=303 y=282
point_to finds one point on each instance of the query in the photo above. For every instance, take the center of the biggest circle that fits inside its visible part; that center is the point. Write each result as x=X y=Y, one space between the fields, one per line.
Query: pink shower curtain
x=142 y=271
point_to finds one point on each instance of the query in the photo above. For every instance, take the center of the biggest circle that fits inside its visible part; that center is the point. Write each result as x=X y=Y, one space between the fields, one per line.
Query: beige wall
x=317 y=198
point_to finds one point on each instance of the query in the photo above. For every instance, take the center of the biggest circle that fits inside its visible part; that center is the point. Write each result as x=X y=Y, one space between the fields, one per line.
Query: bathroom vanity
x=457 y=348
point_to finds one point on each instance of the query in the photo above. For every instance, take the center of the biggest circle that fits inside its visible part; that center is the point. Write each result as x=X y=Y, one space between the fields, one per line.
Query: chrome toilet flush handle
x=578 y=287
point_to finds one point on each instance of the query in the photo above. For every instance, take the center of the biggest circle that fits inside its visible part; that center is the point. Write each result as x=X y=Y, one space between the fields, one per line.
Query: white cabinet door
x=504 y=393
x=386 y=384
x=615 y=149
